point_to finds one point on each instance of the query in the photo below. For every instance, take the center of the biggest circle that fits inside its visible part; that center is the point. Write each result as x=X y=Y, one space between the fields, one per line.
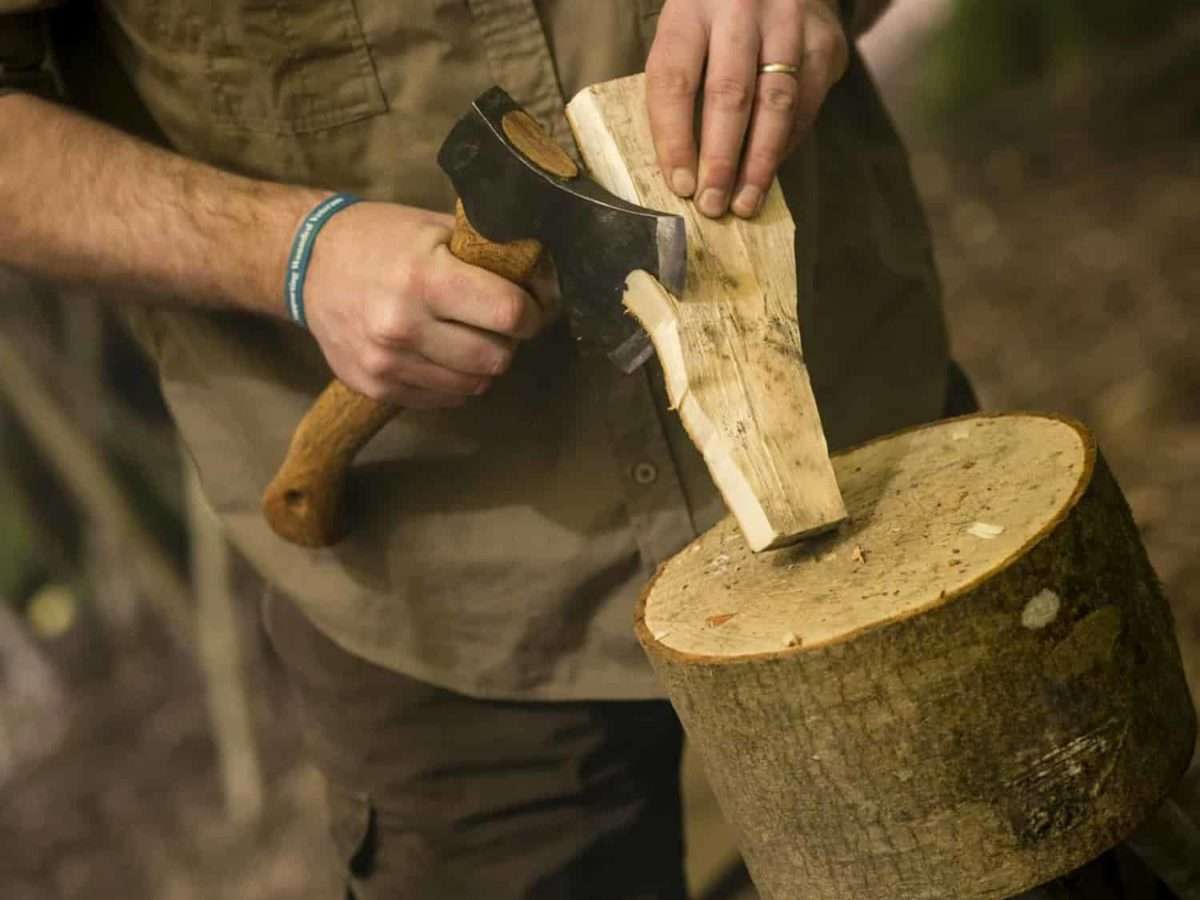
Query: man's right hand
x=400 y=319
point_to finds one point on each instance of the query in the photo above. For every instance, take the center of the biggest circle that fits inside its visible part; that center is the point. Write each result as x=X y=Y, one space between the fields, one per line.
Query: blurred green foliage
x=988 y=46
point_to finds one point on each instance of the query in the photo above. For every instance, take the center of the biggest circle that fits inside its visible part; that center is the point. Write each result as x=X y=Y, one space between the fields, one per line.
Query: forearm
x=87 y=204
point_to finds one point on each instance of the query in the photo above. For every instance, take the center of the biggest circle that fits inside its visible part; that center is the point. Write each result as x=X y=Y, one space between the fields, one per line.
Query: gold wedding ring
x=781 y=68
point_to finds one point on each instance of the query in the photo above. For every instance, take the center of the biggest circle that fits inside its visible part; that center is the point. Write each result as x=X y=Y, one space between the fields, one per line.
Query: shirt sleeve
x=25 y=58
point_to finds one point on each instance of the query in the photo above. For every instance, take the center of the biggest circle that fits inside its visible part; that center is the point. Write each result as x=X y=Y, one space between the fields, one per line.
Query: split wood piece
x=970 y=690
x=730 y=346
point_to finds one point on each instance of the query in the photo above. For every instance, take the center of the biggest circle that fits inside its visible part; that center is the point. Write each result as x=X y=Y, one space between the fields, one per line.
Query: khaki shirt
x=498 y=549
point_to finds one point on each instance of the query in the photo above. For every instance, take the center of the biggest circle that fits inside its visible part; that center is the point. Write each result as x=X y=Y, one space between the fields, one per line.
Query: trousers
x=438 y=796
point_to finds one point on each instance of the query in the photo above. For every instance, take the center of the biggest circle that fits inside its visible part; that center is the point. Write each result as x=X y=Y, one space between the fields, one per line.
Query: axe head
x=595 y=238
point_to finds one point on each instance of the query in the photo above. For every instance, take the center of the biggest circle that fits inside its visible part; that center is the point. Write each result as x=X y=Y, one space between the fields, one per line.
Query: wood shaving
x=858 y=554
x=985 y=530
x=791 y=639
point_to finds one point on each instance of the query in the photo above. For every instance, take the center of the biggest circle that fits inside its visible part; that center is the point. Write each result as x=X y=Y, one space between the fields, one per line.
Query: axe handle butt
x=304 y=503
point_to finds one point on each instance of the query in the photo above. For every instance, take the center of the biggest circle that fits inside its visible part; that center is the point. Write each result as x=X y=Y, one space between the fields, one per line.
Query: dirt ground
x=1072 y=285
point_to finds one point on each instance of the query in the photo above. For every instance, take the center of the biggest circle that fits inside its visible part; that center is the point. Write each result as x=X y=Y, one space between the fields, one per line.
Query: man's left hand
x=750 y=122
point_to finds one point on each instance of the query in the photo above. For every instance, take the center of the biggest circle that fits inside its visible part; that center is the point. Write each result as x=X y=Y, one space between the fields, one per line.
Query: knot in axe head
x=595 y=238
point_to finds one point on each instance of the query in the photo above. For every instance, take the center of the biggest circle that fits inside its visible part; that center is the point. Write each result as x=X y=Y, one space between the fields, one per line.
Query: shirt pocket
x=269 y=66
x=291 y=67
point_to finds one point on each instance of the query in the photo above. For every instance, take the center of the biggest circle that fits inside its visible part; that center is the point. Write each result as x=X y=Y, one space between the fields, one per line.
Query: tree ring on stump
x=970 y=689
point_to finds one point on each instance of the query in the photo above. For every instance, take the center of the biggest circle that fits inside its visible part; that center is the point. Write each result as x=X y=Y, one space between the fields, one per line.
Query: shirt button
x=645 y=473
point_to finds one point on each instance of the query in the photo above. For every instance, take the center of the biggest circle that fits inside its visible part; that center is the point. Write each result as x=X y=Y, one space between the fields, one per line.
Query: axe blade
x=595 y=238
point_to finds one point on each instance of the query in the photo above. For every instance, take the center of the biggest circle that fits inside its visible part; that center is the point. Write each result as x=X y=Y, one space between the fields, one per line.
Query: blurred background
x=147 y=747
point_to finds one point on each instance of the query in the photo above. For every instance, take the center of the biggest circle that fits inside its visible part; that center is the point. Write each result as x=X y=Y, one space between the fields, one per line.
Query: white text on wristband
x=301 y=252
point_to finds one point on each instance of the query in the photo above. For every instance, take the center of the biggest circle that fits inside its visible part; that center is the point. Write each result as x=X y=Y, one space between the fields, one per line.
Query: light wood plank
x=730 y=346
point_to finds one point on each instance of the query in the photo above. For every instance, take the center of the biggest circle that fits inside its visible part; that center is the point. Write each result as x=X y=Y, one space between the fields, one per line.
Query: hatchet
x=521 y=195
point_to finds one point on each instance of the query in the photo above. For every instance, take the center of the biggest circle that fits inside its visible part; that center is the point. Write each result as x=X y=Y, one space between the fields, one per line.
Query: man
x=465 y=659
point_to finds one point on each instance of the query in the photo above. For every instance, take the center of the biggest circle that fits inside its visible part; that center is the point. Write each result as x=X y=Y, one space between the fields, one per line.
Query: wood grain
x=730 y=346
x=531 y=139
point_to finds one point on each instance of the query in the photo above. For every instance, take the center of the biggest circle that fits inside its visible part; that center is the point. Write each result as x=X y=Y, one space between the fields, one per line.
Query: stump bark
x=970 y=689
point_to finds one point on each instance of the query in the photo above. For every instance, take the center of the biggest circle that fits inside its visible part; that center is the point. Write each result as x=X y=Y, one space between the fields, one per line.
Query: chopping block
x=970 y=688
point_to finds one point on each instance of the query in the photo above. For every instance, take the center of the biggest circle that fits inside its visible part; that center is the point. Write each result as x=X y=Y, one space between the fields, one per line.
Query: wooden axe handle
x=304 y=501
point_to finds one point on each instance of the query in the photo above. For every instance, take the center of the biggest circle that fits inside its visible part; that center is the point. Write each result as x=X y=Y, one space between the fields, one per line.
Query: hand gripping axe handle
x=521 y=194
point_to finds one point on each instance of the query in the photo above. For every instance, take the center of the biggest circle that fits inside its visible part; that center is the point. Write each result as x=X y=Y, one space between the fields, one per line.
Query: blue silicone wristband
x=301 y=252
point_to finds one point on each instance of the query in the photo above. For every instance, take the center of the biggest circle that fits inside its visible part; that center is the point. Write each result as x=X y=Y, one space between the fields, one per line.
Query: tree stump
x=970 y=689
